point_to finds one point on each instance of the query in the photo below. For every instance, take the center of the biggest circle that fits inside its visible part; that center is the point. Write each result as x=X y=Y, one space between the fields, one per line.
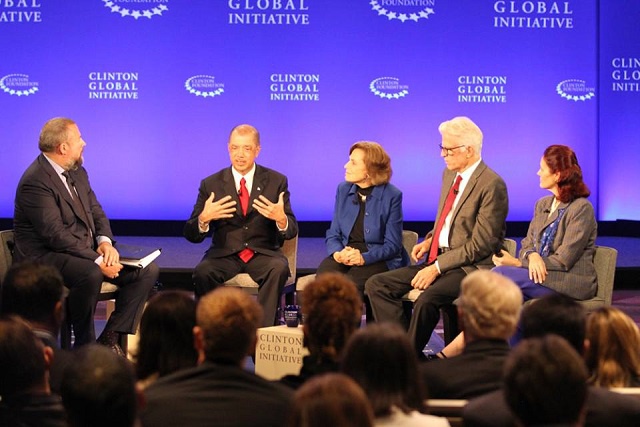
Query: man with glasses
x=469 y=227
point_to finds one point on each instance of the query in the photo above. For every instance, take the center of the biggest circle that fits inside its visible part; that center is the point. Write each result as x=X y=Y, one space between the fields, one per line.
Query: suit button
x=246 y=244
x=367 y=230
x=245 y=227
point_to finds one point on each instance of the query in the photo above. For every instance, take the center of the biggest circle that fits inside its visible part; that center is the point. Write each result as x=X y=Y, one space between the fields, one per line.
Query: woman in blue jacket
x=365 y=237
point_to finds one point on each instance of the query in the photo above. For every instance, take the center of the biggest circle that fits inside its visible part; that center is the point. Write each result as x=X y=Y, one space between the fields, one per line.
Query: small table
x=279 y=351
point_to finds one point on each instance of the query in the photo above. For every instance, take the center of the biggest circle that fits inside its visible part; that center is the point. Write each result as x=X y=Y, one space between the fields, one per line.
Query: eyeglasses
x=448 y=151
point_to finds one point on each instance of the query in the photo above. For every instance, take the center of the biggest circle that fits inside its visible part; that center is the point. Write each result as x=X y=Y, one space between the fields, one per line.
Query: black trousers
x=84 y=278
x=386 y=290
x=269 y=272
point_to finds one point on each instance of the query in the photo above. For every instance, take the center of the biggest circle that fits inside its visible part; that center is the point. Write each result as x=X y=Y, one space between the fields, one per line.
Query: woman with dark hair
x=330 y=400
x=613 y=353
x=557 y=253
x=166 y=336
x=382 y=360
x=332 y=311
x=365 y=237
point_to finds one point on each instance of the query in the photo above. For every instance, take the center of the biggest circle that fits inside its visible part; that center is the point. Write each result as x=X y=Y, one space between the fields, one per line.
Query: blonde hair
x=613 y=354
x=464 y=130
x=490 y=304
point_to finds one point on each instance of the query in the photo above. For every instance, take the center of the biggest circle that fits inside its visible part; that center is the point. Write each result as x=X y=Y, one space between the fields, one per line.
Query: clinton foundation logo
x=294 y=87
x=403 y=10
x=137 y=9
x=388 y=88
x=268 y=12
x=113 y=85
x=18 y=85
x=24 y=11
x=625 y=76
x=482 y=89
x=533 y=14
x=204 y=86
x=575 y=90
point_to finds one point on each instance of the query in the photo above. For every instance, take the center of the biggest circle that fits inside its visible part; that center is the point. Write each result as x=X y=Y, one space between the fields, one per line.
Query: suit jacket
x=570 y=261
x=215 y=394
x=604 y=408
x=476 y=371
x=47 y=220
x=382 y=224
x=254 y=231
x=478 y=220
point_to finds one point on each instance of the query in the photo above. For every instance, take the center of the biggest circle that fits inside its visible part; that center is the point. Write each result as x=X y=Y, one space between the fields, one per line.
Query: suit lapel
x=473 y=180
x=229 y=187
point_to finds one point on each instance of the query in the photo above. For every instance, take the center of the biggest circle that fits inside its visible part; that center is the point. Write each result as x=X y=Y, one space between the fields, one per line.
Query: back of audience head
x=330 y=400
x=166 y=335
x=489 y=305
x=332 y=310
x=34 y=292
x=382 y=360
x=556 y=314
x=98 y=389
x=23 y=360
x=227 y=320
x=613 y=352
x=545 y=382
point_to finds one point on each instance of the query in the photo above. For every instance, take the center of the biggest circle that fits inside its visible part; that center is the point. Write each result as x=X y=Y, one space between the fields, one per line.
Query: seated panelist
x=365 y=237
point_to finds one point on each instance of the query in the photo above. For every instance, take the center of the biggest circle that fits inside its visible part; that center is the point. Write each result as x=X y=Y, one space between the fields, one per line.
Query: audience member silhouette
x=166 y=336
x=545 y=383
x=563 y=316
x=332 y=310
x=98 y=389
x=25 y=396
x=330 y=399
x=35 y=292
x=488 y=308
x=219 y=391
x=381 y=359
x=613 y=353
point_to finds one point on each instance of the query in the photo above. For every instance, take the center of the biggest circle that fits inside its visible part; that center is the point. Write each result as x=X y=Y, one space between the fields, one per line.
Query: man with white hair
x=469 y=227
x=488 y=309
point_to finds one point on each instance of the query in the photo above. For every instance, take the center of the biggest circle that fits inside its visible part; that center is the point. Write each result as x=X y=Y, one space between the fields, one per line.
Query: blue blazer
x=382 y=224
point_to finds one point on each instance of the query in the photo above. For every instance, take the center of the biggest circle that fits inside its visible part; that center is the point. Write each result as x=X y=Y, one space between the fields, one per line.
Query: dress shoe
x=110 y=339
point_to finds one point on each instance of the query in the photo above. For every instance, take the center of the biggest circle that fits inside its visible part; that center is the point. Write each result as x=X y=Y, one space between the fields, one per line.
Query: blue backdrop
x=156 y=86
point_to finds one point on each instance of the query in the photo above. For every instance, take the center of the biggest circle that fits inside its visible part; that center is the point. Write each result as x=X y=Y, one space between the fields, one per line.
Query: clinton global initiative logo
x=575 y=90
x=403 y=10
x=113 y=85
x=268 y=12
x=20 y=11
x=626 y=74
x=388 y=88
x=294 y=87
x=137 y=9
x=532 y=14
x=204 y=86
x=18 y=85
x=482 y=89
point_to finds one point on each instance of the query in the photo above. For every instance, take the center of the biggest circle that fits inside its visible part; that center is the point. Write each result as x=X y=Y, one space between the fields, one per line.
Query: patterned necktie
x=448 y=203
x=246 y=254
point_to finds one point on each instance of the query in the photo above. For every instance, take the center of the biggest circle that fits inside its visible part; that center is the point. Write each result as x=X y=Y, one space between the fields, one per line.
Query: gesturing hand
x=223 y=208
x=274 y=211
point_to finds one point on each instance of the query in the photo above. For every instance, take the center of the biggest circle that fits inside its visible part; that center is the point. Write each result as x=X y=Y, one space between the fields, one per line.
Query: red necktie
x=448 y=203
x=246 y=254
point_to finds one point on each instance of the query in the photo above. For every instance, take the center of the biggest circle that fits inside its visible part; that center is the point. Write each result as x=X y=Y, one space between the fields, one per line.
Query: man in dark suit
x=35 y=292
x=219 y=391
x=471 y=219
x=560 y=315
x=247 y=208
x=59 y=221
x=488 y=309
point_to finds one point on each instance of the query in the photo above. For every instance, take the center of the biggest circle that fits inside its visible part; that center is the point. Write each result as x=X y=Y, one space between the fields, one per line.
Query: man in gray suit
x=470 y=223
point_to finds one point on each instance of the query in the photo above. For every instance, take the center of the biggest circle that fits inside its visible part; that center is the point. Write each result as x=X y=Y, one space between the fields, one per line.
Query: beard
x=76 y=164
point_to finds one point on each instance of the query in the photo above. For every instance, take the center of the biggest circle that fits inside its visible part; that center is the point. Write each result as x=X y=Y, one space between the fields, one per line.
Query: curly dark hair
x=562 y=159
x=332 y=309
